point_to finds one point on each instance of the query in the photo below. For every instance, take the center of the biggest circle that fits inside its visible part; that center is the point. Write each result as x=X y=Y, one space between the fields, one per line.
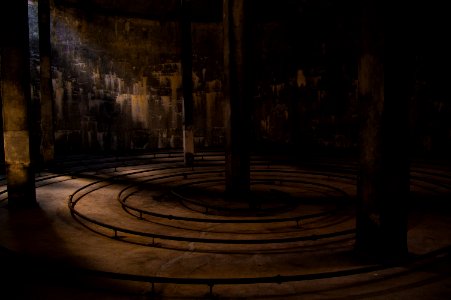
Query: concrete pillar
x=15 y=88
x=47 y=132
x=238 y=95
x=187 y=81
x=383 y=185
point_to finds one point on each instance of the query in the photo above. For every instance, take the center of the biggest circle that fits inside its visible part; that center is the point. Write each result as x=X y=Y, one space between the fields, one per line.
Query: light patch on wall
x=138 y=101
x=210 y=109
x=140 y=109
x=57 y=85
x=166 y=103
x=213 y=86
x=111 y=81
x=69 y=90
x=196 y=81
x=96 y=76
x=277 y=88
x=300 y=79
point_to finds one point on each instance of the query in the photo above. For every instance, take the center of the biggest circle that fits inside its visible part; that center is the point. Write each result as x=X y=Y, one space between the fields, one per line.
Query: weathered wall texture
x=306 y=58
x=306 y=78
x=117 y=83
x=117 y=79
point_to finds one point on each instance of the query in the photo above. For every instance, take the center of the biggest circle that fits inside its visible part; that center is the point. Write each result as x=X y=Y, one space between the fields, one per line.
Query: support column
x=187 y=81
x=238 y=95
x=383 y=185
x=47 y=130
x=15 y=89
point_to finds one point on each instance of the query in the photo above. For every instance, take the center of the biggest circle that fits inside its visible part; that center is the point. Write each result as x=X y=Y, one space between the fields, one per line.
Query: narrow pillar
x=47 y=132
x=238 y=95
x=187 y=81
x=383 y=185
x=15 y=88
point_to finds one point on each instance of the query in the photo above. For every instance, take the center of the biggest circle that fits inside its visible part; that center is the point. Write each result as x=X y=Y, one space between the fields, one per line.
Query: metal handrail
x=296 y=219
x=117 y=229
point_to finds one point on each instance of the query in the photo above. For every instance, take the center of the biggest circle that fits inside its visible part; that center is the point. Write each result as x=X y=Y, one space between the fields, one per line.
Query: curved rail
x=211 y=282
x=117 y=229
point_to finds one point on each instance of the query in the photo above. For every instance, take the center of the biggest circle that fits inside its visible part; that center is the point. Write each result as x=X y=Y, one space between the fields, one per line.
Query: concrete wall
x=117 y=82
x=306 y=71
x=117 y=79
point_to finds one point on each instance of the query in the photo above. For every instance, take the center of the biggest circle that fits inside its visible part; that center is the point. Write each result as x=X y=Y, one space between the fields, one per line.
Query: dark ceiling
x=211 y=10
x=203 y=10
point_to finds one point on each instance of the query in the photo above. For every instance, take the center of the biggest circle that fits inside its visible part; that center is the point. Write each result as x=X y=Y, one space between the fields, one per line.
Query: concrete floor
x=48 y=253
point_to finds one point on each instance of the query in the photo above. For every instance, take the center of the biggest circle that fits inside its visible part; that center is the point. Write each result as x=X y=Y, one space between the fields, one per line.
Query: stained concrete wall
x=117 y=78
x=117 y=82
x=306 y=94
